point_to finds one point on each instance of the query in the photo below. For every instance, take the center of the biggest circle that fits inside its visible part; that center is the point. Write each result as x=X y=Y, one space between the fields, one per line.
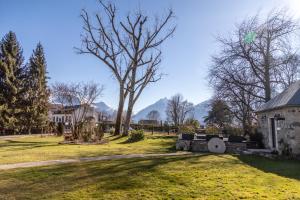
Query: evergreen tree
x=11 y=81
x=37 y=92
x=219 y=115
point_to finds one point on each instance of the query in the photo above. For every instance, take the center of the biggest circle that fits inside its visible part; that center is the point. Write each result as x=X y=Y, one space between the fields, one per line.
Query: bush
x=60 y=129
x=193 y=123
x=136 y=135
x=230 y=130
x=212 y=130
x=187 y=129
x=257 y=137
x=87 y=132
x=111 y=131
x=99 y=132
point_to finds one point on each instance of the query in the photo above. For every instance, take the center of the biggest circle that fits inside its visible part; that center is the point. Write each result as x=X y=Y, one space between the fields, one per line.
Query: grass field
x=182 y=177
x=196 y=176
x=36 y=148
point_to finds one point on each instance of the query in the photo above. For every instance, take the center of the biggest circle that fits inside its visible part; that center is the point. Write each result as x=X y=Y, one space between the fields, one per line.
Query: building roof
x=289 y=97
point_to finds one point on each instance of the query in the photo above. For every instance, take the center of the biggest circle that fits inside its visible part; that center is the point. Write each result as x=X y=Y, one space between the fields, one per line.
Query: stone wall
x=287 y=130
x=235 y=147
x=201 y=146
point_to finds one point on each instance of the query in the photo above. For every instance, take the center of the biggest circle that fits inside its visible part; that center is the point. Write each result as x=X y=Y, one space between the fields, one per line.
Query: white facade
x=69 y=115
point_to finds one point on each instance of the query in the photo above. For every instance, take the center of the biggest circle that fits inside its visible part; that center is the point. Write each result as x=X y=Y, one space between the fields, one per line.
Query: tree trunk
x=130 y=101
x=267 y=89
x=267 y=83
x=128 y=114
x=118 y=126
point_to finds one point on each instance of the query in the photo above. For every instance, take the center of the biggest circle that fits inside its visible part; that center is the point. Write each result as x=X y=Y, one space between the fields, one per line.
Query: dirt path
x=85 y=159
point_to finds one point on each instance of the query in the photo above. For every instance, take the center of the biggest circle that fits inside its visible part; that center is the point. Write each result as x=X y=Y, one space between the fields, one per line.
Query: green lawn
x=181 y=177
x=36 y=148
x=198 y=176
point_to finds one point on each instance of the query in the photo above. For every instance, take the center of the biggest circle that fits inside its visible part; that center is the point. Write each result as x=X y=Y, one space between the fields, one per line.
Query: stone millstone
x=216 y=145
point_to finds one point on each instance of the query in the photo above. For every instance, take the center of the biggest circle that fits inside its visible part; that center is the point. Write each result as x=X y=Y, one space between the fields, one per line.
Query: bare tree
x=129 y=47
x=77 y=98
x=178 y=109
x=237 y=96
x=247 y=73
x=146 y=38
x=265 y=57
x=107 y=40
x=153 y=115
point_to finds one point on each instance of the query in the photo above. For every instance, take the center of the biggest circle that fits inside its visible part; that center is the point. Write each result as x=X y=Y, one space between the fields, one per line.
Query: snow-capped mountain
x=200 y=110
x=160 y=106
x=103 y=107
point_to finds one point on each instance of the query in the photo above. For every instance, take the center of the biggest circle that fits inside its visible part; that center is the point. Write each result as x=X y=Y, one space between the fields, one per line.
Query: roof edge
x=277 y=108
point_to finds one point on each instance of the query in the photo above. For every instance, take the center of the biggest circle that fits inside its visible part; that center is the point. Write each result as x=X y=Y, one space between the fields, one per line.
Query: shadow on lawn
x=20 y=145
x=162 y=137
x=56 y=181
x=117 y=137
x=281 y=167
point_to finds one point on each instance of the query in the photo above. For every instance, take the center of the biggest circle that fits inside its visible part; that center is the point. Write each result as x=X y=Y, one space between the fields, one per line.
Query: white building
x=70 y=114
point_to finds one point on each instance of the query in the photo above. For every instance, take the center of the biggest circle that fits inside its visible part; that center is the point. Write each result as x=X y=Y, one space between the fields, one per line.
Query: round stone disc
x=216 y=145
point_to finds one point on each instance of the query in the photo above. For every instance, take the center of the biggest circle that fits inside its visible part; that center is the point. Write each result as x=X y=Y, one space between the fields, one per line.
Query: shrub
x=51 y=127
x=193 y=123
x=230 y=130
x=99 y=132
x=60 y=129
x=111 y=131
x=257 y=137
x=212 y=130
x=136 y=135
x=186 y=129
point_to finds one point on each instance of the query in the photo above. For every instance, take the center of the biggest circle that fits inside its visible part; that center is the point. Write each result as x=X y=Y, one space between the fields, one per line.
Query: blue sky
x=186 y=56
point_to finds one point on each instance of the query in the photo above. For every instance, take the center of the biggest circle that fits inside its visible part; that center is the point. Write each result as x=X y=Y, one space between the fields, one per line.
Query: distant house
x=279 y=121
x=148 y=122
x=68 y=114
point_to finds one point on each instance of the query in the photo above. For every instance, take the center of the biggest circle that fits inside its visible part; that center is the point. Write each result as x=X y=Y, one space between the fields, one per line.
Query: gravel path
x=85 y=159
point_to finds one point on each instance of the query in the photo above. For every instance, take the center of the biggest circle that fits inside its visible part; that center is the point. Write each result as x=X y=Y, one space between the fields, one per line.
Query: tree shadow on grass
x=129 y=142
x=281 y=167
x=162 y=137
x=22 y=145
x=105 y=176
x=117 y=137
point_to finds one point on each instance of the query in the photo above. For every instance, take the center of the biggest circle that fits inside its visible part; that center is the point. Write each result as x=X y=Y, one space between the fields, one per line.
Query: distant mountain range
x=200 y=110
x=160 y=106
x=103 y=107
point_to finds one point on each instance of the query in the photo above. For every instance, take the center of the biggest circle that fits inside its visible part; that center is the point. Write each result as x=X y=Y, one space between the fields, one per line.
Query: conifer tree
x=11 y=81
x=37 y=92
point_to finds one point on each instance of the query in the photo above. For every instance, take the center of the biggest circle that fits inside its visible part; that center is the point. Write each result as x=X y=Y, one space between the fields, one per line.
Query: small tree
x=192 y=122
x=178 y=109
x=219 y=115
x=80 y=96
